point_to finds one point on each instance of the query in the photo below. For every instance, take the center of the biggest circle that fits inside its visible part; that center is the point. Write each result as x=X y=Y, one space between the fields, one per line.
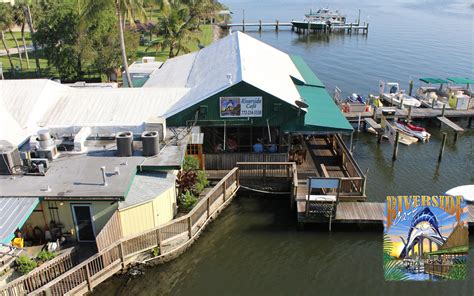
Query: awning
x=14 y=211
x=322 y=114
x=461 y=80
x=433 y=80
x=305 y=71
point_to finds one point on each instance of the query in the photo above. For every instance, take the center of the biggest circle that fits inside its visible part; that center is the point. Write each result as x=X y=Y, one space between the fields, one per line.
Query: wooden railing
x=266 y=169
x=41 y=275
x=227 y=161
x=110 y=233
x=355 y=182
x=169 y=239
x=438 y=269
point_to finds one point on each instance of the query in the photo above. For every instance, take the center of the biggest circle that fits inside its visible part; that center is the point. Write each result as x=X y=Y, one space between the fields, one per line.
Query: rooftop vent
x=124 y=144
x=151 y=143
x=47 y=148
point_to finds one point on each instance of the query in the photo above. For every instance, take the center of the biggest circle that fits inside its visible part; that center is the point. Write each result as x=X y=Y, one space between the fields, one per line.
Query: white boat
x=431 y=95
x=466 y=191
x=321 y=19
x=396 y=97
x=422 y=135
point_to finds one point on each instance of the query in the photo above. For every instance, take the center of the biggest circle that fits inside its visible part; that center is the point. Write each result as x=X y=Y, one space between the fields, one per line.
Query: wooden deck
x=415 y=113
x=450 y=124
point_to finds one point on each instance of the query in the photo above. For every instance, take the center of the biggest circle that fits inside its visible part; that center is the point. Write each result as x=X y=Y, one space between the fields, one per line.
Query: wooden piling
x=277 y=25
x=410 y=90
x=456 y=134
x=443 y=144
x=409 y=114
x=395 y=146
x=260 y=25
x=444 y=108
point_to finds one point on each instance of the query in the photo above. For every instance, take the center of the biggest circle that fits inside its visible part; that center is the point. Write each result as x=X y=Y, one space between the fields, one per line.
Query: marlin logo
x=423 y=225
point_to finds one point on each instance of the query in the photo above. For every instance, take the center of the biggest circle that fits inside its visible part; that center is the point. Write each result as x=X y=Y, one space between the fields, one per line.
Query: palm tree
x=20 y=20
x=26 y=6
x=5 y=22
x=9 y=21
x=175 y=28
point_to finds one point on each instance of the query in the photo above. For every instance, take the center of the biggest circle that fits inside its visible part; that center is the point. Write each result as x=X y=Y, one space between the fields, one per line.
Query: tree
x=26 y=5
x=5 y=23
x=174 y=28
x=20 y=20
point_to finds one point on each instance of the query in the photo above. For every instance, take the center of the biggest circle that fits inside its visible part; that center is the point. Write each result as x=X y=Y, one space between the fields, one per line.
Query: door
x=83 y=222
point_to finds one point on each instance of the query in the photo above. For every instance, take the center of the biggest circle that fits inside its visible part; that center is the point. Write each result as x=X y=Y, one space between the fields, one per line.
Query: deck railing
x=227 y=161
x=169 y=239
x=355 y=182
x=41 y=275
x=110 y=233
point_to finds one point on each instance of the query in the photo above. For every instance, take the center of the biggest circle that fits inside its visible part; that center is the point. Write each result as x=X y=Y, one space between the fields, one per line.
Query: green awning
x=434 y=80
x=322 y=114
x=461 y=80
x=305 y=71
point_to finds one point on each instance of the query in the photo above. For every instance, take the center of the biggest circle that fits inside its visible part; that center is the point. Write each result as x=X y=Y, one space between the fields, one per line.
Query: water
x=253 y=248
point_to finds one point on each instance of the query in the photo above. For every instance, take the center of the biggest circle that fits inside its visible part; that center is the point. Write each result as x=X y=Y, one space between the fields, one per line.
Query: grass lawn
x=46 y=71
x=11 y=42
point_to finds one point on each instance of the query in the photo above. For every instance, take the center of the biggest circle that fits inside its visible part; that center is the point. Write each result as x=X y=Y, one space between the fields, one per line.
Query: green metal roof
x=433 y=80
x=322 y=112
x=461 y=80
x=305 y=71
x=452 y=250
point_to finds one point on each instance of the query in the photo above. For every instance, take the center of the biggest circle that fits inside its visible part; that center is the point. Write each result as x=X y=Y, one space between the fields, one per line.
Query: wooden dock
x=450 y=124
x=418 y=113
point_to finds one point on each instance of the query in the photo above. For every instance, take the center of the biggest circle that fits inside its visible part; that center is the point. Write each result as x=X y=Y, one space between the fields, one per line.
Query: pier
x=305 y=28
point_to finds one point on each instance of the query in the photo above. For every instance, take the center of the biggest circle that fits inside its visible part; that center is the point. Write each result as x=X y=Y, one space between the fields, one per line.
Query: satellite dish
x=301 y=103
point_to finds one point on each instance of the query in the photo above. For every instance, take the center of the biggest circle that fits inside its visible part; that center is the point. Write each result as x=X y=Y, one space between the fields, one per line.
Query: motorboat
x=466 y=191
x=356 y=98
x=412 y=130
x=431 y=95
x=320 y=19
x=397 y=97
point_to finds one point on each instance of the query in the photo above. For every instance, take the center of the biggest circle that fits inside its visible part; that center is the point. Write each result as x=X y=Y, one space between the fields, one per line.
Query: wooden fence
x=110 y=233
x=438 y=269
x=169 y=239
x=228 y=161
x=41 y=275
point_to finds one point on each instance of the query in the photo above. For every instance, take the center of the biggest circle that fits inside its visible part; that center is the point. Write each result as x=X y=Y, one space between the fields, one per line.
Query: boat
x=412 y=130
x=356 y=98
x=466 y=191
x=321 y=19
x=459 y=95
x=431 y=95
x=396 y=97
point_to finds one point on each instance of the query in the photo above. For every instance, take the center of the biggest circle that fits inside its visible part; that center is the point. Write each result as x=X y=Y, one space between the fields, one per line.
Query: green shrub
x=190 y=163
x=45 y=256
x=202 y=178
x=25 y=264
x=187 y=200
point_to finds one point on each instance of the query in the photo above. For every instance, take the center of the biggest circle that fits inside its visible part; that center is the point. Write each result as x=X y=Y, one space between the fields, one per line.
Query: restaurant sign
x=241 y=106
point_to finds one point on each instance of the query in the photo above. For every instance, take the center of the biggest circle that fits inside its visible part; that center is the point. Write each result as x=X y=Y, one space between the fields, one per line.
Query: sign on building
x=241 y=106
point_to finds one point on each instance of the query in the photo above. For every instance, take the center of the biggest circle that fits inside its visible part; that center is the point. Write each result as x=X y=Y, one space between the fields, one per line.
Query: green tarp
x=461 y=80
x=434 y=80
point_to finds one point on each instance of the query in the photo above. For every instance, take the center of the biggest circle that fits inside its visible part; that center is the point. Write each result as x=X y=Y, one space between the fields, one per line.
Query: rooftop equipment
x=47 y=148
x=150 y=143
x=124 y=144
x=10 y=160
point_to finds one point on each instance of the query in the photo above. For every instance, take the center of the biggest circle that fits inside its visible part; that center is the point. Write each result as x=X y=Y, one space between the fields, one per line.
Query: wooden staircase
x=8 y=254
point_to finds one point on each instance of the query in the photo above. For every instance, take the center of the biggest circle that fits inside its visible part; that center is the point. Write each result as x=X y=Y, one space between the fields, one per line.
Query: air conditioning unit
x=10 y=160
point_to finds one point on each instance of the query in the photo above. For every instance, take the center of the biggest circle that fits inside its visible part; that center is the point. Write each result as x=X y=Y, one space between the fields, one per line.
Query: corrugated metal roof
x=13 y=213
x=110 y=107
x=238 y=56
x=146 y=187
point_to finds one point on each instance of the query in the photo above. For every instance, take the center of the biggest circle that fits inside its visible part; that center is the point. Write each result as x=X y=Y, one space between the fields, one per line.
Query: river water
x=254 y=248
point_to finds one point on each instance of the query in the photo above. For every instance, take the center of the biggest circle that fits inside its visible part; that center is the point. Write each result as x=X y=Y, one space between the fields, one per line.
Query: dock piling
x=277 y=25
x=443 y=144
x=395 y=146
x=444 y=108
x=410 y=89
x=260 y=25
x=409 y=114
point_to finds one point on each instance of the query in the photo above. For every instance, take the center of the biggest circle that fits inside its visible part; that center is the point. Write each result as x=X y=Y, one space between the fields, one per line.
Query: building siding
x=279 y=113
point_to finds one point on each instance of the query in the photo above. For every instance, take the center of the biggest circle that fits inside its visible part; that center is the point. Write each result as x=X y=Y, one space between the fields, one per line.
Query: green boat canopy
x=433 y=80
x=461 y=80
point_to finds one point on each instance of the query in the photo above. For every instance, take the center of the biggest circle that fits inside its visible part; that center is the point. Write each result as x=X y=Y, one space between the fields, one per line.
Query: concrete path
x=14 y=50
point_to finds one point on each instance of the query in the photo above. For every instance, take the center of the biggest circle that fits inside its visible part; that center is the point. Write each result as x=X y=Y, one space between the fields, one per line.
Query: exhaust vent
x=124 y=144
x=150 y=143
x=10 y=160
x=47 y=148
